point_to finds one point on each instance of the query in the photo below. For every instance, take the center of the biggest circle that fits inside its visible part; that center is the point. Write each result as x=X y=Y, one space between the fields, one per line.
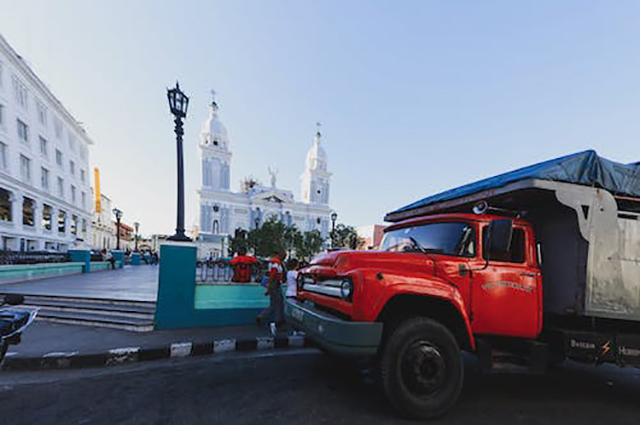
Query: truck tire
x=421 y=369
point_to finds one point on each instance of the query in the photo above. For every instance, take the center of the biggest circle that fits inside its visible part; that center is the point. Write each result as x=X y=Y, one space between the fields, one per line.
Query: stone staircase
x=136 y=316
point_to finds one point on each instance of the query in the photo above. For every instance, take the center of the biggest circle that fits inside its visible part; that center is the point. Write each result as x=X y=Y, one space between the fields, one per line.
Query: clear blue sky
x=415 y=97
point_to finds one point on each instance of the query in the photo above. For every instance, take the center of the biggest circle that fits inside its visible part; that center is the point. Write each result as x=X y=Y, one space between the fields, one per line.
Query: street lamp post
x=334 y=217
x=178 y=103
x=137 y=226
x=118 y=214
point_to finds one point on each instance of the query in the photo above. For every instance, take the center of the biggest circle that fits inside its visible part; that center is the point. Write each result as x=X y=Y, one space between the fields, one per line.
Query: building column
x=16 y=209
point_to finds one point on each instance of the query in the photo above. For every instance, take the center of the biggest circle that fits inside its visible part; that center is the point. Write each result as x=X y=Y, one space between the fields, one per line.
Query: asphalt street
x=302 y=387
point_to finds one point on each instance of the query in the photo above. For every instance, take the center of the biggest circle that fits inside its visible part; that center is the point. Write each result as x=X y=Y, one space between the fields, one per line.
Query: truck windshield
x=440 y=238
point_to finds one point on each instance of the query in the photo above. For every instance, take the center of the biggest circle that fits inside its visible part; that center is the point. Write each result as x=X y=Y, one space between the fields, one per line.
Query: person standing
x=275 y=311
x=243 y=265
x=292 y=278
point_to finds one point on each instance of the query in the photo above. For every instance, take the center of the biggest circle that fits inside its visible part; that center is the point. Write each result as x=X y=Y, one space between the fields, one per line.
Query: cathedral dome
x=317 y=157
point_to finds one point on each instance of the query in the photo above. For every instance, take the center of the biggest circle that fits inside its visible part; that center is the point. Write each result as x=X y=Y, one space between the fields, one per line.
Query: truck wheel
x=421 y=369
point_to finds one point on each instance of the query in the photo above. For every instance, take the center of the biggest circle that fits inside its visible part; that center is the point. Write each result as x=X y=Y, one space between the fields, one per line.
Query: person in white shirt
x=292 y=278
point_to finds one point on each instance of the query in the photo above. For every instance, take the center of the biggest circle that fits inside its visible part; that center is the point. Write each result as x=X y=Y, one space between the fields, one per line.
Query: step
x=70 y=321
x=52 y=310
x=88 y=305
x=100 y=301
x=93 y=319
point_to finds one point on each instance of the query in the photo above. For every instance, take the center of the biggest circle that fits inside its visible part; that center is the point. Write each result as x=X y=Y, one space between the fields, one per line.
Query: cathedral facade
x=222 y=210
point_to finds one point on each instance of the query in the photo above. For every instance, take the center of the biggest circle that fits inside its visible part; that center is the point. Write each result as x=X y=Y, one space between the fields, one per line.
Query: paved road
x=302 y=386
x=136 y=283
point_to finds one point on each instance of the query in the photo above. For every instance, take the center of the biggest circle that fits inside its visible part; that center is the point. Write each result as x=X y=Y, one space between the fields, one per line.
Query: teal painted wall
x=135 y=259
x=82 y=256
x=178 y=295
x=119 y=256
x=20 y=273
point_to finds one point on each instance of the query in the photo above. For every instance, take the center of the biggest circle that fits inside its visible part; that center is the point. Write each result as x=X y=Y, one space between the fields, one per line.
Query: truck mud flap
x=628 y=349
x=623 y=349
x=590 y=347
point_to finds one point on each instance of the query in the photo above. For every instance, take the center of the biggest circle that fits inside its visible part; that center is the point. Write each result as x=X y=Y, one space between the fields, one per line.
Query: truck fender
x=441 y=301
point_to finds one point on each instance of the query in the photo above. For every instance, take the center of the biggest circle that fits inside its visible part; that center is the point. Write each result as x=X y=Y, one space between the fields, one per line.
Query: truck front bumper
x=333 y=334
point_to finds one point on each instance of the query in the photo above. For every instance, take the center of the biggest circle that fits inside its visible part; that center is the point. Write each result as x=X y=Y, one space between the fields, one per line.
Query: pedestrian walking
x=275 y=312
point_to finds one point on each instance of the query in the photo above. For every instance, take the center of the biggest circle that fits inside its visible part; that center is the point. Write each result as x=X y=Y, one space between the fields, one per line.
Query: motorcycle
x=13 y=321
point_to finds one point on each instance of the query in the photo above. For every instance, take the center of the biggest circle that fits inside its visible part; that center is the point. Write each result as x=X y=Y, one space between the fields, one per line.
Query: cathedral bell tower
x=315 y=179
x=215 y=153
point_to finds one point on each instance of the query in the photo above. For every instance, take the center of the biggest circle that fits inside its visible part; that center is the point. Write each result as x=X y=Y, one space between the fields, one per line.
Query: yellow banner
x=96 y=178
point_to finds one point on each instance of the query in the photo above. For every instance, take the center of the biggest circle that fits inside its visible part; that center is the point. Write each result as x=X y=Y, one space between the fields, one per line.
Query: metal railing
x=221 y=271
x=33 y=257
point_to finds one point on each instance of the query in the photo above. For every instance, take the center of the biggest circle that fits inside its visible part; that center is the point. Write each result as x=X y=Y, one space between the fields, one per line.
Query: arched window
x=216 y=227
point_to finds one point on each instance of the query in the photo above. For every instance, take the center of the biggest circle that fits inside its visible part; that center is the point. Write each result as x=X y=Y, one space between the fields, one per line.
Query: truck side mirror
x=499 y=235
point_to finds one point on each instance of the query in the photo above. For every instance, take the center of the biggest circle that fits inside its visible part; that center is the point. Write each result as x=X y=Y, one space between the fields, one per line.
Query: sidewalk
x=50 y=345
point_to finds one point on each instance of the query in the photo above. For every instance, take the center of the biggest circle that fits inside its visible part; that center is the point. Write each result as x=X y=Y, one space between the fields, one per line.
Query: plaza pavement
x=133 y=283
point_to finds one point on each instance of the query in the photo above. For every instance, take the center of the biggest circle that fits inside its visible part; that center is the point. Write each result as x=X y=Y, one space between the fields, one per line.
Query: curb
x=125 y=355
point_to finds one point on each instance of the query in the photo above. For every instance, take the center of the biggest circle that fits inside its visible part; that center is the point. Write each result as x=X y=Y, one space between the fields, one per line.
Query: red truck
x=530 y=267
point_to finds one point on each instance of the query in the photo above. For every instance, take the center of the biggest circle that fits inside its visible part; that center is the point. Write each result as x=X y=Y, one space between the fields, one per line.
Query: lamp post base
x=180 y=237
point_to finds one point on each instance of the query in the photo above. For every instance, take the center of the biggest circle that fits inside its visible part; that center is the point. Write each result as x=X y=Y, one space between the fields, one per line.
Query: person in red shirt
x=276 y=275
x=242 y=266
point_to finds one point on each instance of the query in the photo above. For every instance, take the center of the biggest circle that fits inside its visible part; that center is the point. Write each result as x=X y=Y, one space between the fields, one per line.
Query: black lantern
x=118 y=214
x=334 y=217
x=178 y=104
x=178 y=101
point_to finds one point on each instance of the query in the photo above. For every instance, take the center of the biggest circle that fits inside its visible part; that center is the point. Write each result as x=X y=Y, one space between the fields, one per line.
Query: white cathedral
x=222 y=211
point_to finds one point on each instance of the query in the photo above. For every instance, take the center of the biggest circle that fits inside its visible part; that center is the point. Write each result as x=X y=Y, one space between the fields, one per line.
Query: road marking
x=181 y=349
x=123 y=355
x=224 y=346
x=296 y=341
x=264 y=343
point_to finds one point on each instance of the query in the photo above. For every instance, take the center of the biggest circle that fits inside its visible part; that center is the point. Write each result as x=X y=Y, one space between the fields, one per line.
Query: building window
x=83 y=152
x=84 y=228
x=3 y=155
x=44 y=147
x=74 y=225
x=82 y=176
x=72 y=142
x=1 y=75
x=20 y=92
x=5 y=205
x=44 y=178
x=28 y=210
x=42 y=114
x=25 y=168
x=1 y=115
x=62 y=218
x=47 y=217
x=59 y=157
x=23 y=131
x=72 y=168
x=60 y=187
x=216 y=227
x=73 y=194
x=57 y=127
x=84 y=200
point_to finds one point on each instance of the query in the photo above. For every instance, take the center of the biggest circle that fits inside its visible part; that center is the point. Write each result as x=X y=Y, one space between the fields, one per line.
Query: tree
x=309 y=244
x=268 y=238
x=344 y=236
x=238 y=241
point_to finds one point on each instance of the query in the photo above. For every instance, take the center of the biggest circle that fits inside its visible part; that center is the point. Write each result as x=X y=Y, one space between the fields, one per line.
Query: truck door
x=506 y=296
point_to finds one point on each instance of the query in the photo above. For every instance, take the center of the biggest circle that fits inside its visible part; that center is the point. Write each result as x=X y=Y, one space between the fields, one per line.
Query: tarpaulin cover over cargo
x=584 y=168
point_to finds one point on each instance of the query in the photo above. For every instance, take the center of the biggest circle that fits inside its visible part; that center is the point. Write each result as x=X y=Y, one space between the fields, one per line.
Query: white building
x=222 y=211
x=44 y=164
x=103 y=227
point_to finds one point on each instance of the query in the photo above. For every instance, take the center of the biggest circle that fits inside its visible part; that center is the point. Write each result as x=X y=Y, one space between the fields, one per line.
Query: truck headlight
x=346 y=289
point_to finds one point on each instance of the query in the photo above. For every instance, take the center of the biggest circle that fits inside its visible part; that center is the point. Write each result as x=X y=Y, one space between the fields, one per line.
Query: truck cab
x=472 y=275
